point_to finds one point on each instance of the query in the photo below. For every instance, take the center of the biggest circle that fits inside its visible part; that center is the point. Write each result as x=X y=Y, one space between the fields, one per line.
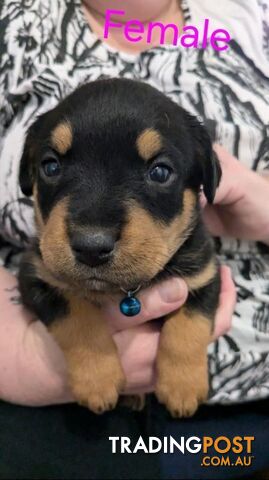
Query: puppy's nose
x=93 y=249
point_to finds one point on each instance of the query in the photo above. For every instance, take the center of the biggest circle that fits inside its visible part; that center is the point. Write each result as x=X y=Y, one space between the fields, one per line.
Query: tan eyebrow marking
x=149 y=143
x=62 y=137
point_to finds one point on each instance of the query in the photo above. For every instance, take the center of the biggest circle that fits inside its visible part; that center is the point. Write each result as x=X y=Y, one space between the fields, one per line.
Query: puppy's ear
x=212 y=176
x=208 y=162
x=27 y=164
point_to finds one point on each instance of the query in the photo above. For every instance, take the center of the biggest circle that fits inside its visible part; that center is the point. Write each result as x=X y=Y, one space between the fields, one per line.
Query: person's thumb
x=156 y=302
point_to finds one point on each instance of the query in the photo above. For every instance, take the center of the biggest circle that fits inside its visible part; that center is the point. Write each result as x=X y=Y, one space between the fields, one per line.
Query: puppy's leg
x=95 y=374
x=182 y=374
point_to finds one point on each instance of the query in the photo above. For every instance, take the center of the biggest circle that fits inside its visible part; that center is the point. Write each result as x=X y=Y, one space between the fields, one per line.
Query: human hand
x=239 y=208
x=137 y=337
x=32 y=366
x=138 y=344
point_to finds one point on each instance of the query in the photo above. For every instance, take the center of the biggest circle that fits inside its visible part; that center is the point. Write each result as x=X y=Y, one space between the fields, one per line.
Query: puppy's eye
x=51 y=167
x=160 y=173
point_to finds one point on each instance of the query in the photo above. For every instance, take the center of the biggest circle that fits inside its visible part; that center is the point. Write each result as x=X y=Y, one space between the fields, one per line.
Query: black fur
x=45 y=301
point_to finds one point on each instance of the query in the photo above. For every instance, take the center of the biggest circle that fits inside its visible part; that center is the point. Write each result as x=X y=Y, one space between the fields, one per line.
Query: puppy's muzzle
x=93 y=249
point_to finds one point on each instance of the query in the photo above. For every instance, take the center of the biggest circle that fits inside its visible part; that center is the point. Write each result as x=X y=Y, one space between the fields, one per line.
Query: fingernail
x=171 y=291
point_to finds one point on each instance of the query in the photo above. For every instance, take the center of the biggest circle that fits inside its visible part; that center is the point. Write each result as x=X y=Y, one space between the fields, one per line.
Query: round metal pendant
x=130 y=306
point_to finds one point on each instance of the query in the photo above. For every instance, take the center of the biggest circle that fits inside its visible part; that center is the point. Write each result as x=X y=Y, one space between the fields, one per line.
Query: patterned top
x=47 y=49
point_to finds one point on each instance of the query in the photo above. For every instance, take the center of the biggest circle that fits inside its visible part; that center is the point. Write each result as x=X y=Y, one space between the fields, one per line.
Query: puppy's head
x=115 y=170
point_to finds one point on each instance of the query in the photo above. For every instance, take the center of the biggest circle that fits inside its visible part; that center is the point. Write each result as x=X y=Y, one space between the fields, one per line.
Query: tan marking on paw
x=182 y=373
x=95 y=374
x=96 y=386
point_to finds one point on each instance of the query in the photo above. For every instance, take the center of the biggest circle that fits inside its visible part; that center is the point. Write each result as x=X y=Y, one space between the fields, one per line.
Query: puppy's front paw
x=182 y=370
x=182 y=396
x=98 y=400
x=98 y=392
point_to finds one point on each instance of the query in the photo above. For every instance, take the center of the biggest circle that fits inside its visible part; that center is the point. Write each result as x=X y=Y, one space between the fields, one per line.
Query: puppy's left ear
x=208 y=161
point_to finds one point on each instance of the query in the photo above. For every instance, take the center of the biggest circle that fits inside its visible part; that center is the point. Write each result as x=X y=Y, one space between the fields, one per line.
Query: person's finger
x=213 y=220
x=231 y=188
x=203 y=200
x=138 y=351
x=156 y=302
x=227 y=303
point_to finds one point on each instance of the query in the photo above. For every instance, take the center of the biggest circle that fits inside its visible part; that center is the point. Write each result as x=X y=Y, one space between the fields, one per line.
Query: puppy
x=116 y=171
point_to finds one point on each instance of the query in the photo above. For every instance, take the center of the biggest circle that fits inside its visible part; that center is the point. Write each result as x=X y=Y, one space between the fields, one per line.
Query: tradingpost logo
x=216 y=452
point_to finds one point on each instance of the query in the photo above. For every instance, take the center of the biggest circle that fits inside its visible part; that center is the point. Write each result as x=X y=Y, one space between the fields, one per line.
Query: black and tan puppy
x=115 y=171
